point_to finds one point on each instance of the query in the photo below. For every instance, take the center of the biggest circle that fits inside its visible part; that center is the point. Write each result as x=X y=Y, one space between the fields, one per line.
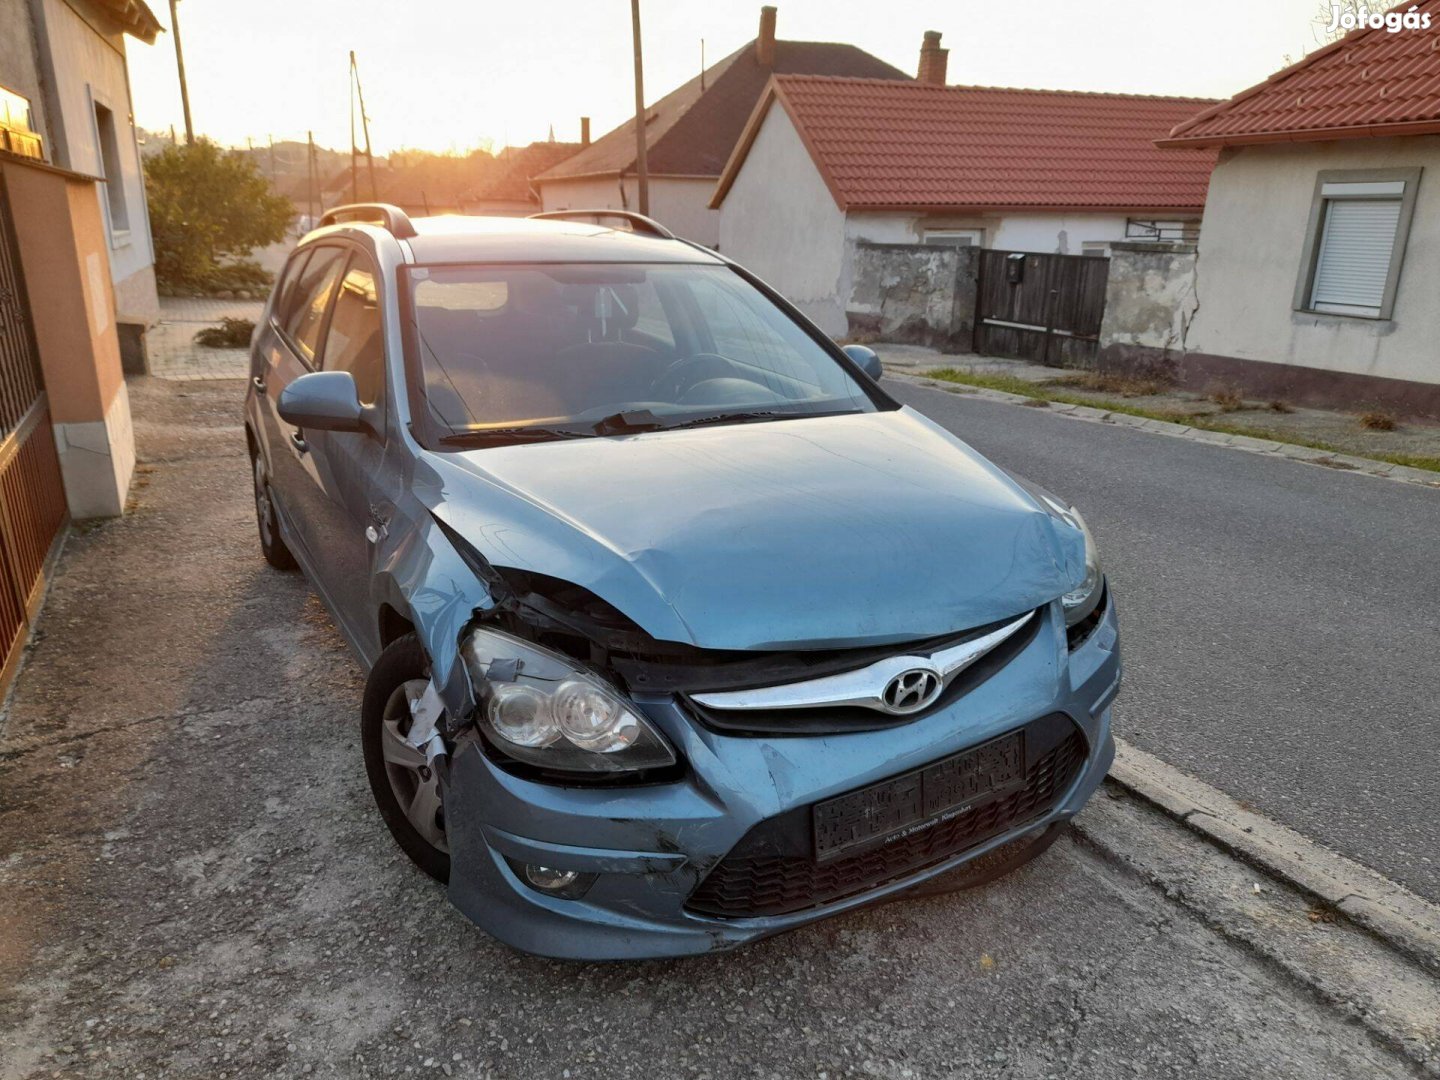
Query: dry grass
x=1280 y=406
x=1100 y=382
x=1206 y=422
x=1378 y=420
x=1227 y=397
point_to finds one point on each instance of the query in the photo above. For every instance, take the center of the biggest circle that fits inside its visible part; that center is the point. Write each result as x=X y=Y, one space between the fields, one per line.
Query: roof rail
x=637 y=222
x=392 y=218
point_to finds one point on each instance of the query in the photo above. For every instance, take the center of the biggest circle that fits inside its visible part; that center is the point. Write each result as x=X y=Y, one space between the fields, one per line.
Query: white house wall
x=90 y=68
x=681 y=205
x=1062 y=234
x=1249 y=262
x=780 y=221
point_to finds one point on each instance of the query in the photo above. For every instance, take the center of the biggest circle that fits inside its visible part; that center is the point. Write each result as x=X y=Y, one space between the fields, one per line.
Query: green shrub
x=208 y=207
x=230 y=334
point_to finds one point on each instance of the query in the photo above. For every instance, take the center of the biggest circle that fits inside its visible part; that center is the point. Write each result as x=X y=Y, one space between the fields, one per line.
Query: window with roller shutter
x=1355 y=244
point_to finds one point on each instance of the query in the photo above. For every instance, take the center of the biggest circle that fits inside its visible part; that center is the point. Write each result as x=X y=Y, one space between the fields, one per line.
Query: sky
x=457 y=74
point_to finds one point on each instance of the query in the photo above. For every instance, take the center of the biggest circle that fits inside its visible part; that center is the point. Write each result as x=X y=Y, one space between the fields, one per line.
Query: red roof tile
x=888 y=145
x=1369 y=83
x=691 y=131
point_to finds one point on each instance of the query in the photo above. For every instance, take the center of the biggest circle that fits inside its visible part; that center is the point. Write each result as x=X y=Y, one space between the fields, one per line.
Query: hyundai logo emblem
x=911 y=691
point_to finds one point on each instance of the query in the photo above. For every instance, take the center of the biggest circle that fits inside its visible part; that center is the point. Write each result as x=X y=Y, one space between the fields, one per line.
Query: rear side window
x=286 y=290
x=306 y=317
x=354 y=343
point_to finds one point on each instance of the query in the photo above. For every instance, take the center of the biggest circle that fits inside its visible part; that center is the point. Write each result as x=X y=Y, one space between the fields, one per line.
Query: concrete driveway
x=1281 y=620
x=194 y=882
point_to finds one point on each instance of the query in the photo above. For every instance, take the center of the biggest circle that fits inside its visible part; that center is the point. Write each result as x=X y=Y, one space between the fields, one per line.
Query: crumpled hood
x=819 y=533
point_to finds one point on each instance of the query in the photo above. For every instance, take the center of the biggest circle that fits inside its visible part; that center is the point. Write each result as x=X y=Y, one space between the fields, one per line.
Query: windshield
x=557 y=351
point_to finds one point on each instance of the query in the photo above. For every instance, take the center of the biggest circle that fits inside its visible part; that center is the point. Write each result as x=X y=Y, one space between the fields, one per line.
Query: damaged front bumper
x=651 y=847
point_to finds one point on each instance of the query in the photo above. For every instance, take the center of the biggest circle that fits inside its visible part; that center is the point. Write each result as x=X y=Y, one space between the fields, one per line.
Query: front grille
x=833 y=719
x=772 y=870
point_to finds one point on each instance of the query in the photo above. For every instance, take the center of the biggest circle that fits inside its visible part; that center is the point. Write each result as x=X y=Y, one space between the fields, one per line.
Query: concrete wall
x=64 y=251
x=921 y=293
x=89 y=63
x=680 y=204
x=1058 y=234
x=780 y=221
x=19 y=68
x=1250 y=248
x=1150 y=299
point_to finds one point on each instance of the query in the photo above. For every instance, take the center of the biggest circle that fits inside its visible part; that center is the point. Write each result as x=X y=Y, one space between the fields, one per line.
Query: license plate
x=919 y=799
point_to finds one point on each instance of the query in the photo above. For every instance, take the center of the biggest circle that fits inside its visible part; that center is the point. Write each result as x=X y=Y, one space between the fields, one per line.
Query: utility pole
x=180 y=63
x=310 y=178
x=641 y=167
x=365 y=126
x=354 y=192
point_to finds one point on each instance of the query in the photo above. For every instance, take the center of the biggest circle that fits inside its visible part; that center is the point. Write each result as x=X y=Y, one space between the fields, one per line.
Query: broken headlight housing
x=1081 y=601
x=544 y=708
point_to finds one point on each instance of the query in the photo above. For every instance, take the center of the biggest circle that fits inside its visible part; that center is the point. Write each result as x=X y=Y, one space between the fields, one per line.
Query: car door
x=349 y=505
x=292 y=342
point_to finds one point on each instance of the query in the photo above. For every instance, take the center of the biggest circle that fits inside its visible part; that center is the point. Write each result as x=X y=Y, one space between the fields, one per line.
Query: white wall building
x=1320 y=250
x=690 y=133
x=824 y=163
x=84 y=96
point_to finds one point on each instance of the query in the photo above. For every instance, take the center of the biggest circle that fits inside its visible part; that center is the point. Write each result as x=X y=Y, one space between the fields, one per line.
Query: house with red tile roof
x=1318 y=267
x=691 y=132
x=510 y=190
x=824 y=164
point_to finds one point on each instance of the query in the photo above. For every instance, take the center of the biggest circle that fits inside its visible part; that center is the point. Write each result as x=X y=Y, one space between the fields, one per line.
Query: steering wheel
x=686 y=372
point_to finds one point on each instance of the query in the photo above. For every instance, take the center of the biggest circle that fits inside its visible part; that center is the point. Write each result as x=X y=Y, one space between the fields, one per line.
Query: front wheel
x=271 y=546
x=406 y=788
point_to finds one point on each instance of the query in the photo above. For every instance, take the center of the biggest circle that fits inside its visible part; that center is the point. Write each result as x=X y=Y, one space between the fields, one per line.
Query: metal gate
x=32 y=495
x=1045 y=308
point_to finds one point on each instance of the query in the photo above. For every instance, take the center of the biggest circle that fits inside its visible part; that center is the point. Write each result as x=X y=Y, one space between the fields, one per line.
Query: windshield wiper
x=750 y=417
x=629 y=423
x=501 y=436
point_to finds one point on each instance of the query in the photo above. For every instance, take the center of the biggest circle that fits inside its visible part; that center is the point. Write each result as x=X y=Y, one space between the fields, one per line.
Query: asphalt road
x=1280 y=621
x=194 y=882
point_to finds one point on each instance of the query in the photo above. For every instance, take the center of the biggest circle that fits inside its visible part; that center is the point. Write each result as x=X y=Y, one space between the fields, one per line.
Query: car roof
x=455 y=238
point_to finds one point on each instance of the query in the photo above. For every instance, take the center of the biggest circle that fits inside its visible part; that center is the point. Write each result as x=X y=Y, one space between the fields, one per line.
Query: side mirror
x=867 y=359
x=323 y=401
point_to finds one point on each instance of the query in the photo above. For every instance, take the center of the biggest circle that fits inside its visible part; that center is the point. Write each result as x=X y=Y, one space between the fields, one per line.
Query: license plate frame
x=919 y=799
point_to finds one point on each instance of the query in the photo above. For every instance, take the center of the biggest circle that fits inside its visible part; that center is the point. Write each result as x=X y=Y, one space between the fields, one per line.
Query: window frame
x=107 y=151
x=380 y=406
x=316 y=362
x=1314 y=231
x=941 y=233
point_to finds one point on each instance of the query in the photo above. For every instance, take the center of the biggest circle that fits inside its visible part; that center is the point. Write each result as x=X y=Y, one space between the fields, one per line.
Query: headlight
x=541 y=707
x=1082 y=600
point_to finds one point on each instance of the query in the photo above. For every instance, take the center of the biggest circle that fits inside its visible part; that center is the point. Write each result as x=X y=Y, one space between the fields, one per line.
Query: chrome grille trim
x=865 y=687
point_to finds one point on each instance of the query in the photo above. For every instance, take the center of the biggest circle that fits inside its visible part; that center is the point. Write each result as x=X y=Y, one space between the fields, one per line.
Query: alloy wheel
x=412 y=781
x=264 y=512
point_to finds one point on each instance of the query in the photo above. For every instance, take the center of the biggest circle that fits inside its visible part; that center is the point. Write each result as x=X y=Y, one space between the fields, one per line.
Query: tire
x=266 y=521
x=404 y=788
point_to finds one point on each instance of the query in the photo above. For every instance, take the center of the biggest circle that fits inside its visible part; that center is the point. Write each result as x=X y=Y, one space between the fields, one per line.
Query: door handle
x=297 y=440
x=258 y=381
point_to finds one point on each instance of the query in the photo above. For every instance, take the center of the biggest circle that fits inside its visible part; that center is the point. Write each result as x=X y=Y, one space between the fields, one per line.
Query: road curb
x=1404 y=921
x=1327 y=459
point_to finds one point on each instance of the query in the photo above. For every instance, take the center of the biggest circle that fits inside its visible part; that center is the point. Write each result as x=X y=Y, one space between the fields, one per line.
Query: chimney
x=584 y=131
x=932 y=60
x=765 y=43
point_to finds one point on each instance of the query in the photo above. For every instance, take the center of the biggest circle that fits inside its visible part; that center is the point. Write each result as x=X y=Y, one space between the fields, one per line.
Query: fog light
x=548 y=879
x=565 y=884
